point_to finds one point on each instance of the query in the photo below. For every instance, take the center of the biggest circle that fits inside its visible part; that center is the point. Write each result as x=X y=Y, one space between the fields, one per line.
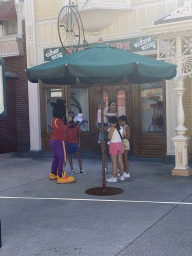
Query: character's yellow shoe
x=64 y=179
x=53 y=176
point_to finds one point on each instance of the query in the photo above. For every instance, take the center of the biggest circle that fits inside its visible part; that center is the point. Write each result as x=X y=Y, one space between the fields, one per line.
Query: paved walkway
x=39 y=217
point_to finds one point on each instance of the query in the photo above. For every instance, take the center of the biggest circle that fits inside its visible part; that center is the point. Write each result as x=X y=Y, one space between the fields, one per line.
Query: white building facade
x=118 y=23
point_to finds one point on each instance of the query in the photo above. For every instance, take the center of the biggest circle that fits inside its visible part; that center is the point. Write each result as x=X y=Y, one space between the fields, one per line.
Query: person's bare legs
x=120 y=161
x=114 y=165
x=70 y=161
x=79 y=160
x=126 y=161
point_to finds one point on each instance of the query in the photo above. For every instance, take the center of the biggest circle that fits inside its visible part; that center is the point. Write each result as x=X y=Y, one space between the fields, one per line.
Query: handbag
x=126 y=144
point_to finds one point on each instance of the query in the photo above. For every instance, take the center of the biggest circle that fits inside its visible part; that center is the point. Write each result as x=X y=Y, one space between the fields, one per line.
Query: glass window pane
x=152 y=107
x=106 y=100
x=121 y=106
x=50 y=95
x=80 y=104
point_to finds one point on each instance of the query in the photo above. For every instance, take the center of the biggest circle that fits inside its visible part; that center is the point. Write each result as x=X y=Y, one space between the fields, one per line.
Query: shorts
x=72 y=147
x=105 y=133
x=116 y=148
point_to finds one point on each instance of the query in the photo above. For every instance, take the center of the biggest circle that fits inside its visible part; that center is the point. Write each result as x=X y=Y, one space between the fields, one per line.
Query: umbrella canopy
x=101 y=61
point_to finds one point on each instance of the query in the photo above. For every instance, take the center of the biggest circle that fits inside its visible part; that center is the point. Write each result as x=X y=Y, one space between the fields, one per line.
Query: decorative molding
x=179 y=146
x=186 y=65
x=30 y=32
x=167 y=29
x=99 y=4
x=170 y=5
x=181 y=157
x=181 y=11
x=167 y=48
x=168 y=52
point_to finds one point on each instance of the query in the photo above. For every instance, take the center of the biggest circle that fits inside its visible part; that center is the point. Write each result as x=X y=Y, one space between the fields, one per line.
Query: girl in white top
x=116 y=149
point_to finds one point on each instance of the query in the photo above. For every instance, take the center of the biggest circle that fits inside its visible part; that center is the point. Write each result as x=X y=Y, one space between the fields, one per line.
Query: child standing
x=116 y=149
x=126 y=136
x=73 y=143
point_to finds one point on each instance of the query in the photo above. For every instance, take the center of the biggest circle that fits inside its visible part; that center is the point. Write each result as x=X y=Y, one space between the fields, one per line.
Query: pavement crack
x=22 y=185
x=152 y=225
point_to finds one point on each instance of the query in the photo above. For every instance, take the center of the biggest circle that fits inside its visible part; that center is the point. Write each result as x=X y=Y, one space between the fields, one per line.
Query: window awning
x=8 y=11
x=10 y=74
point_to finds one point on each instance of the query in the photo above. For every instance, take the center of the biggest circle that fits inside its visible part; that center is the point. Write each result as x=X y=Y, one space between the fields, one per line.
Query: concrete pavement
x=152 y=216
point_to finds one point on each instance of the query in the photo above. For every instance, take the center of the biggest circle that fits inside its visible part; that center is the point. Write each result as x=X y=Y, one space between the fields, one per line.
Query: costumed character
x=58 y=143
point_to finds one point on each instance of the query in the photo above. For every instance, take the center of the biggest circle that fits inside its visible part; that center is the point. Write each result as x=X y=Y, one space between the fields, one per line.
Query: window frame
x=4 y=113
x=137 y=109
x=121 y=89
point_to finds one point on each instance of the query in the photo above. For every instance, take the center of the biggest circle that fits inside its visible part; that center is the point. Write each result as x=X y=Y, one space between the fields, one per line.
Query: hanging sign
x=136 y=44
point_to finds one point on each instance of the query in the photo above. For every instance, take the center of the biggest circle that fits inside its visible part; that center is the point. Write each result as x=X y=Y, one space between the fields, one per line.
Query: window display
x=80 y=104
x=152 y=107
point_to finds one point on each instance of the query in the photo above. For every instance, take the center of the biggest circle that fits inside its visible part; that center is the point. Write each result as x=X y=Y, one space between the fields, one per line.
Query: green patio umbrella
x=103 y=61
x=101 y=64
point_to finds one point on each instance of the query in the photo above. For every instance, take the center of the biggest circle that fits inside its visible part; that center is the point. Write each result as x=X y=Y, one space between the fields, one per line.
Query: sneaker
x=72 y=172
x=121 y=178
x=112 y=179
x=82 y=172
x=126 y=175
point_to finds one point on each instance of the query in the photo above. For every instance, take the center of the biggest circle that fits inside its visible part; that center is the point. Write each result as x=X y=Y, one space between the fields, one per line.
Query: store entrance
x=149 y=120
x=77 y=100
x=143 y=105
x=47 y=94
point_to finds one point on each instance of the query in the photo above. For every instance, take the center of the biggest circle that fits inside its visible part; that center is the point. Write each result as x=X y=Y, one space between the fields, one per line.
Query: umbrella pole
x=103 y=191
x=102 y=138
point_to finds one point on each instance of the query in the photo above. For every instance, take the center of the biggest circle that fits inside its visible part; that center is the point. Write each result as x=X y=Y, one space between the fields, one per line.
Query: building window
x=50 y=94
x=121 y=106
x=106 y=100
x=3 y=109
x=80 y=104
x=152 y=107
